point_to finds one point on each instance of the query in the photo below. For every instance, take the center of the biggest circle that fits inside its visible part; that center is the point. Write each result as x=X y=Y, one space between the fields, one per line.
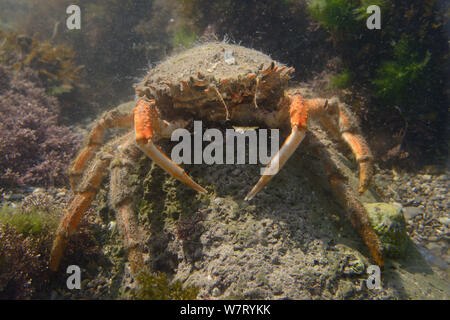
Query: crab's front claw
x=157 y=155
x=146 y=123
x=299 y=118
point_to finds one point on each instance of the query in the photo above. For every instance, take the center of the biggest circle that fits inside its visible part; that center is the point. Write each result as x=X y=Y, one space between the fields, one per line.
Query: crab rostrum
x=212 y=82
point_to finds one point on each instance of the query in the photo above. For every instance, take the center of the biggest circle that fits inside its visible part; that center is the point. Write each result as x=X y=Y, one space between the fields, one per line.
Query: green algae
x=165 y=198
x=156 y=286
x=33 y=223
x=183 y=36
x=342 y=80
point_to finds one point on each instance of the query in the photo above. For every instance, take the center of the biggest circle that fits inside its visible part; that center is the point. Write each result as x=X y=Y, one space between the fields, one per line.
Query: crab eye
x=325 y=106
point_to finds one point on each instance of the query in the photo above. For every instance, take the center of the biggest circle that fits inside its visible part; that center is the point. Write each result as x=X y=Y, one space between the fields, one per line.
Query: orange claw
x=147 y=123
x=299 y=118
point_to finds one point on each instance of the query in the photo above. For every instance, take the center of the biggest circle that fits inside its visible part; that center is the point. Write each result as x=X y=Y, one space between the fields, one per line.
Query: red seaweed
x=34 y=149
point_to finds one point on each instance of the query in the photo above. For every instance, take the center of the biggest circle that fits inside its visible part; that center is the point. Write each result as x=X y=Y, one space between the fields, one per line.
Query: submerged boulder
x=389 y=224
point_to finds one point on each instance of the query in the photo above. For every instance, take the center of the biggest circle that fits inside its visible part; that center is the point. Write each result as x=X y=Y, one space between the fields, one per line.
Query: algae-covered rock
x=158 y=287
x=292 y=241
x=389 y=223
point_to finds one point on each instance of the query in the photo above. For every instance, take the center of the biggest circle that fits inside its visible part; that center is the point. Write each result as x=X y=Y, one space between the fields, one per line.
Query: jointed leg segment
x=76 y=209
x=92 y=172
x=337 y=119
x=111 y=119
x=121 y=198
x=358 y=217
x=146 y=124
x=299 y=118
x=348 y=198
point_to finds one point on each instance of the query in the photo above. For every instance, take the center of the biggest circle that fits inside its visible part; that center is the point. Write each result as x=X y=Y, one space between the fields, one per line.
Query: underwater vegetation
x=26 y=235
x=29 y=222
x=342 y=79
x=56 y=69
x=184 y=36
x=25 y=240
x=404 y=64
x=396 y=79
x=158 y=287
x=55 y=64
x=35 y=149
x=22 y=263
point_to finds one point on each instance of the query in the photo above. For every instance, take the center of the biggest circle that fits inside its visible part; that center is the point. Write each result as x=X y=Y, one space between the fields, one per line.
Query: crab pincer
x=299 y=118
x=146 y=124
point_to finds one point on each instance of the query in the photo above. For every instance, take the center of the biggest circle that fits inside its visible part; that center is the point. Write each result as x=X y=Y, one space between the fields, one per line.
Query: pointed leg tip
x=194 y=186
x=251 y=194
x=362 y=188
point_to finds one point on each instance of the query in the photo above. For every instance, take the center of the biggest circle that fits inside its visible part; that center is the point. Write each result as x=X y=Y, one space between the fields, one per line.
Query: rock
x=216 y=292
x=444 y=220
x=236 y=171
x=389 y=223
x=38 y=190
x=410 y=212
x=433 y=247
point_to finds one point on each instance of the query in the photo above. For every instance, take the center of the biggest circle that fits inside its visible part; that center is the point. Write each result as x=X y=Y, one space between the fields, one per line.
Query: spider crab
x=213 y=82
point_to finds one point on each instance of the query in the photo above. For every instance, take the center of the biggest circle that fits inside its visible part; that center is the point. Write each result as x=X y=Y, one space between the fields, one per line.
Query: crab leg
x=121 y=198
x=363 y=157
x=95 y=140
x=299 y=118
x=146 y=123
x=338 y=119
x=349 y=199
x=85 y=189
x=77 y=207
x=358 y=217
